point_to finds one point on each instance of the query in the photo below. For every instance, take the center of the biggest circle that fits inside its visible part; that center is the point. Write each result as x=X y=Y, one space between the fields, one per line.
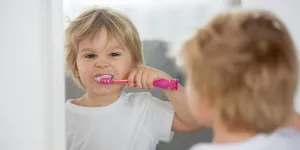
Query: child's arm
x=144 y=76
x=183 y=121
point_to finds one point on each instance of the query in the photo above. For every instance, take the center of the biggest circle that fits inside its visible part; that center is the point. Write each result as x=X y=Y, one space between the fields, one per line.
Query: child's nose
x=102 y=64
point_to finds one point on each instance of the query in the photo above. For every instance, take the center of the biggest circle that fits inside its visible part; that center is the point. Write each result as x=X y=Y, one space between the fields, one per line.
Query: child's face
x=102 y=57
x=200 y=108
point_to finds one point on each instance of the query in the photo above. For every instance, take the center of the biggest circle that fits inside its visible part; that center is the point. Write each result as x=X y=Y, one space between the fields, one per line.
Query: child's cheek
x=84 y=72
x=125 y=74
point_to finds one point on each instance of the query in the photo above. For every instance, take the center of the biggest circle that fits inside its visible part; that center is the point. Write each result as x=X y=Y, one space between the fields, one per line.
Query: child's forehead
x=100 y=40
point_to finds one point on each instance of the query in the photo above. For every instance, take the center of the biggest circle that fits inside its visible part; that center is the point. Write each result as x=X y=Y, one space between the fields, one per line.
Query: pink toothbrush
x=161 y=83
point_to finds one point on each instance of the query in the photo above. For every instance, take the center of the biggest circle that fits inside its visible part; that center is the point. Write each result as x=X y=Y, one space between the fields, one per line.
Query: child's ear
x=76 y=72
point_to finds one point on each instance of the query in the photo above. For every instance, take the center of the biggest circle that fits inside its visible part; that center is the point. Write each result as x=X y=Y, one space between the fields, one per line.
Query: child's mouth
x=99 y=77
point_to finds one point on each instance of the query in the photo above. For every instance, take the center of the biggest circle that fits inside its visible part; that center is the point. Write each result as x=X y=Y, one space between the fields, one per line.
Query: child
x=242 y=73
x=103 y=43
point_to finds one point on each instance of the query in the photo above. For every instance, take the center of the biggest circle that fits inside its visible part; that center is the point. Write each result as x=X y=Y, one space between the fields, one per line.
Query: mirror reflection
x=127 y=43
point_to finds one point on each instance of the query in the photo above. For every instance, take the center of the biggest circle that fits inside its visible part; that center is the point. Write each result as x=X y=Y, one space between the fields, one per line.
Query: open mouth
x=99 y=77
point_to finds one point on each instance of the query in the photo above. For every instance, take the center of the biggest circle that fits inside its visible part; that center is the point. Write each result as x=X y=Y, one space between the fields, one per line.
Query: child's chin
x=108 y=89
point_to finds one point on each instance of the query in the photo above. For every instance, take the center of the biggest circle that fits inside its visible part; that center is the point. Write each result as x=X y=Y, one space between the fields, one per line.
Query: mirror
x=161 y=25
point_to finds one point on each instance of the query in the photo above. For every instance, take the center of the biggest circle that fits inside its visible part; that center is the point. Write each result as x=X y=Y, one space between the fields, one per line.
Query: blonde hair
x=89 y=23
x=245 y=64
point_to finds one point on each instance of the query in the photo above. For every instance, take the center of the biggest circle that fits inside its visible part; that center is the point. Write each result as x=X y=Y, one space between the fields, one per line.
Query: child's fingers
x=138 y=78
x=150 y=81
x=131 y=78
x=144 y=78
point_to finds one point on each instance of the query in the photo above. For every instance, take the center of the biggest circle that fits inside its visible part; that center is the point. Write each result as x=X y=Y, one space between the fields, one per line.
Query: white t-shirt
x=282 y=139
x=136 y=121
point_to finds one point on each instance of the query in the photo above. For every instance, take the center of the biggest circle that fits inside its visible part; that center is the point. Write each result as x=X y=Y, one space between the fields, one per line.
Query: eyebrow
x=116 y=47
x=93 y=50
x=86 y=50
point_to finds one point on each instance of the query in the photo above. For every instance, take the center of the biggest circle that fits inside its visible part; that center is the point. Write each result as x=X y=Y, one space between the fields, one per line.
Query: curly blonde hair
x=245 y=64
x=89 y=23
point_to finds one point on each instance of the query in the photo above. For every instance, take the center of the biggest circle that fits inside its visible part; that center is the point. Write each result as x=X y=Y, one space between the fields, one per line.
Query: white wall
x=31 y=103
x=287 y=10
x=168 y=20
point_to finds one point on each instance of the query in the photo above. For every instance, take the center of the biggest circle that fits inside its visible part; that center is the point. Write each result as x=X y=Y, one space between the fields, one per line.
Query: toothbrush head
x=106 y=81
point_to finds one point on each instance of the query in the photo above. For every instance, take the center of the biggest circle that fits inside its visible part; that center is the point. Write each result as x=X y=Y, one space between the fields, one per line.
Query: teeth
x=98 y=78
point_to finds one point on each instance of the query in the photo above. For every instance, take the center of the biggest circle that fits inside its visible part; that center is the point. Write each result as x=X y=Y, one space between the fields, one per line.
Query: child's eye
x=90 y=56
x=114 y=54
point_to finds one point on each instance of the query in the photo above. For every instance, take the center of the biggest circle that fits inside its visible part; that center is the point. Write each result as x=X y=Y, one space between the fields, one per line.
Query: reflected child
x=104 y=43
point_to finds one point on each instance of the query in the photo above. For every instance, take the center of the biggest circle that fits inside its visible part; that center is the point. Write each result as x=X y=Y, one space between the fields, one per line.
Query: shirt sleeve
x=159 y=119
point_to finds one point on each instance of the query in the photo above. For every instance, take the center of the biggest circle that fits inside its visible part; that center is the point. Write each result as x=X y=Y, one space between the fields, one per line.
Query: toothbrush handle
x=161 y=83
x=120 y=81
x=166 y=84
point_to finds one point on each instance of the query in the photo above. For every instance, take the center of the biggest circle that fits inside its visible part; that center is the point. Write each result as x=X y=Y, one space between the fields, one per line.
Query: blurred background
x=34 y=85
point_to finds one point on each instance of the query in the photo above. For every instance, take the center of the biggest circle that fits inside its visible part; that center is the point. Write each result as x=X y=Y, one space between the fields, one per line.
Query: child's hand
x=143 y=77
